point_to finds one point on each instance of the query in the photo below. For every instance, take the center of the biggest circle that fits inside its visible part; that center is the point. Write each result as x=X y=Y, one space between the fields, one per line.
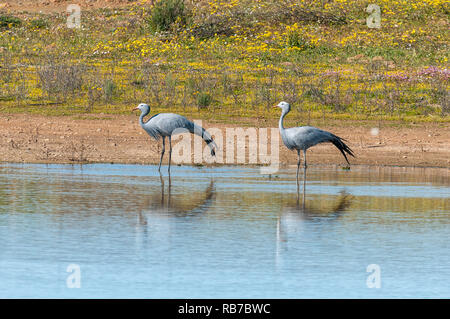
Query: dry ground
x=47 y=6
x=120 y=139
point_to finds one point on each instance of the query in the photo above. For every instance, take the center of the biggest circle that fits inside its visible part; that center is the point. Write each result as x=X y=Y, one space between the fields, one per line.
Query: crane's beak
x=136 y=108
x=275 y=106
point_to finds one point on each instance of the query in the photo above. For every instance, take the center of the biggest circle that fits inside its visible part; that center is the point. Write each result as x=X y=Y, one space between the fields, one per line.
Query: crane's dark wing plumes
x=208 y=139
x=200 y=131
x=339 y=143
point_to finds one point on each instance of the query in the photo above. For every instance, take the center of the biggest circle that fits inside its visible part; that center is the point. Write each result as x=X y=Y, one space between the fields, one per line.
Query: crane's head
x=144 y=108
x=284 y=106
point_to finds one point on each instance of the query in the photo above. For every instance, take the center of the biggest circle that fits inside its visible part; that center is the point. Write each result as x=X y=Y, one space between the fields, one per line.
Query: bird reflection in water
x=298 y=213
x=162 y=210
x=305 y=210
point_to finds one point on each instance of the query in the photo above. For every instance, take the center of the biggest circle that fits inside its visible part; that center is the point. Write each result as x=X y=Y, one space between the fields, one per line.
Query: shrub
x=295 y=39
x=59 y=80
x=39 y=23
x=9 y=21
x=109 y=90
x=167 y=12
x=204 y=99
x=215 y=25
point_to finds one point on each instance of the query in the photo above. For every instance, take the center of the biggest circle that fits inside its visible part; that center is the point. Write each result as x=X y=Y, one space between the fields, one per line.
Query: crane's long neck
x=141 y=118
x=283 y=114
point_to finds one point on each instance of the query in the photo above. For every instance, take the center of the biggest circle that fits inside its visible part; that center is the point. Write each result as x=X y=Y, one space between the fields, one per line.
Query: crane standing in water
x=165 y=124
x=304 y=137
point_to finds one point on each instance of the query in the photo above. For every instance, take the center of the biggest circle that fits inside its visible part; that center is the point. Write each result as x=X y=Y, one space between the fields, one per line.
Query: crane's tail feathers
x=200 y=131
x=211 y=145
x=338 y=142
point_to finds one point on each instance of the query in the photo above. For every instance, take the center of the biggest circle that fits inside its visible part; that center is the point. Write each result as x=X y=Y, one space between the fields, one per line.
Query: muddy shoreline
x=29 y=138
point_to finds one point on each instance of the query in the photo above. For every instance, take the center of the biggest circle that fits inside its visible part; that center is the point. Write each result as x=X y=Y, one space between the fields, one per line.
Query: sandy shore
x=120 y=139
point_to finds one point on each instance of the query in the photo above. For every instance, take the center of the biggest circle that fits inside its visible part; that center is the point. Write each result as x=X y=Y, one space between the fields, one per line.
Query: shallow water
x=224 y=232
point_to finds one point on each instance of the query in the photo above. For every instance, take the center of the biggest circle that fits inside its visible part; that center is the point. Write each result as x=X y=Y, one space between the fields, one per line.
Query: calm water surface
x=225 y=232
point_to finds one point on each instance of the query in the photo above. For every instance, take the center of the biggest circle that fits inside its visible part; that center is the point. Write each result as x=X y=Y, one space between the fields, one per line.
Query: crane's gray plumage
x=304 y=137
x=166 y=124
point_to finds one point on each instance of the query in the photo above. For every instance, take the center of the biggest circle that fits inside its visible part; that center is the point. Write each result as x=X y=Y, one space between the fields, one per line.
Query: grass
x=232 y=59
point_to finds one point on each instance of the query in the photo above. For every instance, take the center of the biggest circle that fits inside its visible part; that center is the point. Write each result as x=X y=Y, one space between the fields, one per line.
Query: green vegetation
x=167 y=12
x=232 y=59
x=7 y=21
x=39 y=23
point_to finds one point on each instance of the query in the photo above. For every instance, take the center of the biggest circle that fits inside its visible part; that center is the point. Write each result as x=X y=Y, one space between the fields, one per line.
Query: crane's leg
x=298 y=164
x=304 y=158
x=162 y=189
x=162 y=152
x=170 y=152
x=304 y=172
